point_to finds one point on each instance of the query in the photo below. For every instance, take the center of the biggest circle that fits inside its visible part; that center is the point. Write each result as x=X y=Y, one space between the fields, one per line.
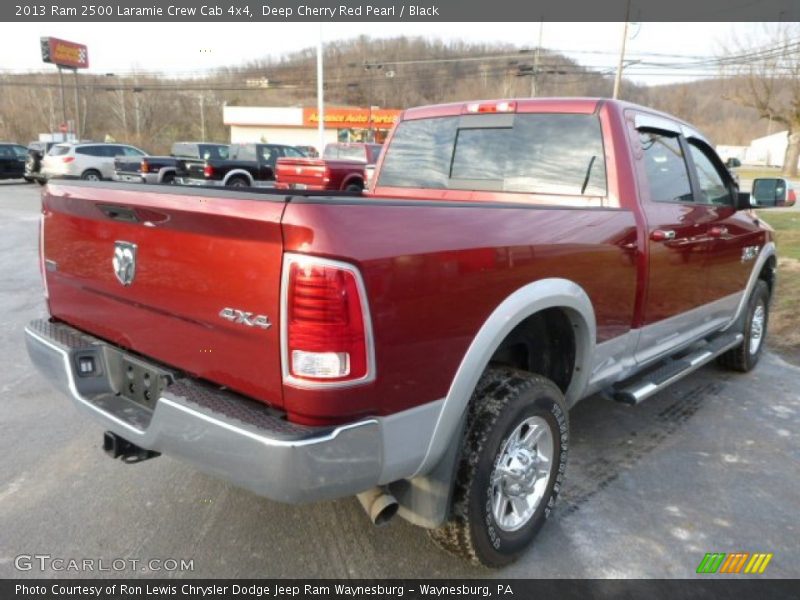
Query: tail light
x=144 y=167
x=326 y=333
x=68 y=159
x=208 y=171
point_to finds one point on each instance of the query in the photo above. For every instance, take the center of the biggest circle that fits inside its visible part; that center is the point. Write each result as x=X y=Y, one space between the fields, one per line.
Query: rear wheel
x=745 y=356
x=168 y=179
x=91 y=175
x=354 y=187
x=238 y=182
x=511 y=470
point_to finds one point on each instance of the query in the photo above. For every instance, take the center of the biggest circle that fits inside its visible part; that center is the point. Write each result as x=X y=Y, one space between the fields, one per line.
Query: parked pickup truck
x=247 y=165
x=419 y=347
x=342 y=167
x=161 y=169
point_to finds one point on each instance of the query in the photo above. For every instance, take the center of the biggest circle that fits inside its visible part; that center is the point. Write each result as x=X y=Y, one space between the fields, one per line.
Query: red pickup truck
x=343 y=166
x=420 y=346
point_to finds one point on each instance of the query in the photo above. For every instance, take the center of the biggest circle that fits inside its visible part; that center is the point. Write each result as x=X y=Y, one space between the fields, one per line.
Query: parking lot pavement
x=710 y=465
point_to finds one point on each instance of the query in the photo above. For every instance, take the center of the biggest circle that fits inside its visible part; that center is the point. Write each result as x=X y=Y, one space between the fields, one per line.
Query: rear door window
x=559 y=154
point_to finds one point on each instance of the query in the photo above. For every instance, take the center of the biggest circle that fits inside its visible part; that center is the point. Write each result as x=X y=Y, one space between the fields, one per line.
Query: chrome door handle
x=662 y=235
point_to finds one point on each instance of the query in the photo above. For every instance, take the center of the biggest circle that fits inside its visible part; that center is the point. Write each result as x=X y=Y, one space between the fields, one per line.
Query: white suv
x=91 y=161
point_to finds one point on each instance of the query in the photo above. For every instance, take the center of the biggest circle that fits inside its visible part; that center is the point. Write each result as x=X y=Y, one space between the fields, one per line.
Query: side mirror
x=772 y=192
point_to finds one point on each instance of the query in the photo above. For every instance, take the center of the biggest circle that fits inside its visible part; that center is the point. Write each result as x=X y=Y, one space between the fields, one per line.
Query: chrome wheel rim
x=92 y=177
x=757 y=327
x=521 y=473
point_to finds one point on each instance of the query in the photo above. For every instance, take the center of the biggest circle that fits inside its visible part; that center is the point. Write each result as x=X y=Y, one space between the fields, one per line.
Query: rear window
x=525 y=153
x=58 y=150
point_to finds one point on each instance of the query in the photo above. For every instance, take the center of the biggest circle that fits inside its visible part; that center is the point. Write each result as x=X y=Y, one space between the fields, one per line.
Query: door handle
x=718 y=231
x=662 y=235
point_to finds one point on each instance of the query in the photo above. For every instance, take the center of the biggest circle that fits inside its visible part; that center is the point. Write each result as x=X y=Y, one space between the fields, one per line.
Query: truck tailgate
x=301 y=172
x=199 y=258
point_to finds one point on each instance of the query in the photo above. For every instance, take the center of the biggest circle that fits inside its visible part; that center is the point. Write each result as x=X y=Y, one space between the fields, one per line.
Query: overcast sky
x=191 y=47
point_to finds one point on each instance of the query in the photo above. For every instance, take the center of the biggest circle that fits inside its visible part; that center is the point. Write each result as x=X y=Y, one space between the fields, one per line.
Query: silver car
x=89 y=161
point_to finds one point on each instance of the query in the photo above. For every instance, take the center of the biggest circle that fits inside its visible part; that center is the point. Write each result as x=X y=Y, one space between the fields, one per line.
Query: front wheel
x=511 y=470
x=745 y=356
x=91 y=175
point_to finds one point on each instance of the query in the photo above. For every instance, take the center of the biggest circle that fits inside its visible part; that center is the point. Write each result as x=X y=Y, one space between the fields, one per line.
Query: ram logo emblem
x=124 y=262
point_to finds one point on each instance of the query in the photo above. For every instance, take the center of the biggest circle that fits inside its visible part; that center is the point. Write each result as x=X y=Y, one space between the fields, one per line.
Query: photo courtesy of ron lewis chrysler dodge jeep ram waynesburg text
x=420 y=345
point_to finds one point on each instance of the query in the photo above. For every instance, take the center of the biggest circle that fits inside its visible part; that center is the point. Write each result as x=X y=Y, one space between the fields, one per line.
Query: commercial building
x=298 y=125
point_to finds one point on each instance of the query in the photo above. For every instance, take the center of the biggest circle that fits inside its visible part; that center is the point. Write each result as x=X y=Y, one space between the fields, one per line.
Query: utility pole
x=202 y=118
x=620 y=66
x=535 y=74
x=320 y=94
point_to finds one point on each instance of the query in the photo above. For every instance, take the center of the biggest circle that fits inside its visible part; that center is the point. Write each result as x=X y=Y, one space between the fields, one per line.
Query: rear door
x=194 y=259
x=677 y=227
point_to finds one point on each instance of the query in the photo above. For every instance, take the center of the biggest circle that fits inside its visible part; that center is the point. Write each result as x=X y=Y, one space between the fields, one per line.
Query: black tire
x=504 y=400
x=744 y=357
x=41 y=181
x=237 y=182
x=168 y=179
x=91 y=175
x=354 y=187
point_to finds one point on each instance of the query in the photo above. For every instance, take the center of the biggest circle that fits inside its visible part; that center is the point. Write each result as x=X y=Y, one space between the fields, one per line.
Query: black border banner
x=278 y=11
x=434 y=589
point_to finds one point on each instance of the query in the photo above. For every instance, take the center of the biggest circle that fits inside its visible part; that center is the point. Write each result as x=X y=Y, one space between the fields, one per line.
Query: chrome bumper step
x=643 y=385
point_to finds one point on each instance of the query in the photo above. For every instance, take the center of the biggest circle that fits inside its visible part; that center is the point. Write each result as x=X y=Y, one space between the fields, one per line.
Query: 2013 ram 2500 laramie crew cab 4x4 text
x=419 y=346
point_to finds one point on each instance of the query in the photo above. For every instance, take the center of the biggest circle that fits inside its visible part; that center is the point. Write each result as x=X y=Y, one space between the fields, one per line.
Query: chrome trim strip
x=289 y=259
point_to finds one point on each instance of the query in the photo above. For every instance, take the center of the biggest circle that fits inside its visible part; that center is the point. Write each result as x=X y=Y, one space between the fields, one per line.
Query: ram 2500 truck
x=419 y=347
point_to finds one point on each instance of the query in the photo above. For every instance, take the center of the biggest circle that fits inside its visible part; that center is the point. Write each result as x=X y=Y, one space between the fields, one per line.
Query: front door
x=677 y=234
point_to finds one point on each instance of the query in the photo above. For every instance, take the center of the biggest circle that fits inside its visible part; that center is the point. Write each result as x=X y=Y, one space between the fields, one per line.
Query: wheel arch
x=548 y=294
x=237 y=173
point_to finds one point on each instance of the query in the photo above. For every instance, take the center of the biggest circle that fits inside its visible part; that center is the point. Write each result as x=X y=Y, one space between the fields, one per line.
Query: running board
x=642 y=386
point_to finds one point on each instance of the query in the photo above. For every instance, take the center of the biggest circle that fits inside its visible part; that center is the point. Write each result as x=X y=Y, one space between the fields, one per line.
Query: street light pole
x=63 y=101
x=77 y=108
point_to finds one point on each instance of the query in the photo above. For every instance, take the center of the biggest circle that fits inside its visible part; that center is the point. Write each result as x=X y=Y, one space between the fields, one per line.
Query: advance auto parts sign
x=64 y=53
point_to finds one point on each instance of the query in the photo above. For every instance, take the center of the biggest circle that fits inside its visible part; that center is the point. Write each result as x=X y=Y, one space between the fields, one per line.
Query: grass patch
x=785 y=318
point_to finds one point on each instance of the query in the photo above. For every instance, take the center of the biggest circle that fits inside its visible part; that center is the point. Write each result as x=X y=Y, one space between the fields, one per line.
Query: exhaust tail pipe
x=379 y=505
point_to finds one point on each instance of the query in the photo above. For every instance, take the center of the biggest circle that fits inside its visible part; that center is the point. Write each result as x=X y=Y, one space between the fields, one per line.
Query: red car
x=343 y=166
x=419 y=346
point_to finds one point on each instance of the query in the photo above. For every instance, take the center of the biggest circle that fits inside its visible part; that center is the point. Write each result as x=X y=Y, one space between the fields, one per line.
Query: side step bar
x=642 y=386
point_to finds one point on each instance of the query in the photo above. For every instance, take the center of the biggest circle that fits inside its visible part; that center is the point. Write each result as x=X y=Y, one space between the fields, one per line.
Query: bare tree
x=767 y=78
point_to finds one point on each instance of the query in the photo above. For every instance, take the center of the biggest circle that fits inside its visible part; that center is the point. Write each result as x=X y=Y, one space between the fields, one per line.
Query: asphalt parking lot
x=710 y=465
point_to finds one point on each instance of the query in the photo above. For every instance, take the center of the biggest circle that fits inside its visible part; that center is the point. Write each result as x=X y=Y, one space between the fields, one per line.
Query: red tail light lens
x=68 y=159
x=326 y=324
x=144 y=167
x=208 y=171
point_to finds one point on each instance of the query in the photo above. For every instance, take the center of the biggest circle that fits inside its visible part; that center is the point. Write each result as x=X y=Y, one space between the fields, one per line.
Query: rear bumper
x=220 y=433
